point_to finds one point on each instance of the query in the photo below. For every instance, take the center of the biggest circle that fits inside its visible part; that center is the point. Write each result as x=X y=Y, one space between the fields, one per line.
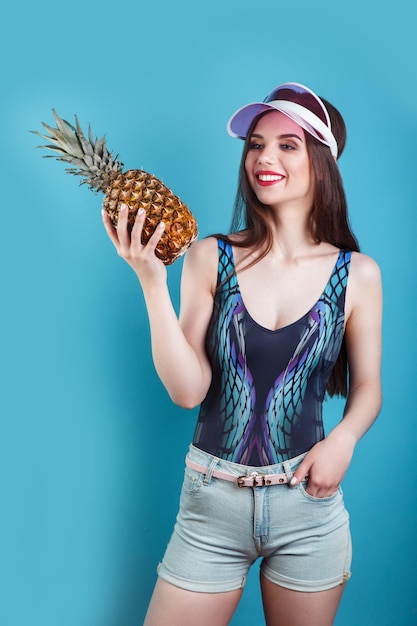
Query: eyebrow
x=286 y=136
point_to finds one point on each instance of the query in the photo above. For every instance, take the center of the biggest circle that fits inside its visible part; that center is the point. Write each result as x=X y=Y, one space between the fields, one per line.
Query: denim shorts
x=221 y=530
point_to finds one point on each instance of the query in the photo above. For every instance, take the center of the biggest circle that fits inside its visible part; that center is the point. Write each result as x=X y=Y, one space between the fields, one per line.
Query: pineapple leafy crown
x=89 y=157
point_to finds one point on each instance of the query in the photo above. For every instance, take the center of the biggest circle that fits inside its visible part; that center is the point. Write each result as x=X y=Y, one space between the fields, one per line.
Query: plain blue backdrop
x=84 y=419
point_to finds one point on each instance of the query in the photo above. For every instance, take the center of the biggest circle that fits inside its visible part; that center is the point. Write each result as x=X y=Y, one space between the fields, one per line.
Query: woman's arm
x=328 y=460
x=178 y=346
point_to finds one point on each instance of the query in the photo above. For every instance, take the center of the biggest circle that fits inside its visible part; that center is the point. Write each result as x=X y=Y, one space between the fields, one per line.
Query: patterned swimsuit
x=264 y=404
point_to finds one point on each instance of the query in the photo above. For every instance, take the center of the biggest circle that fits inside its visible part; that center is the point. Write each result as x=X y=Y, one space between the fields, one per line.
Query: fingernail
x=293 y=481
x=123 y=207
x=140 y=211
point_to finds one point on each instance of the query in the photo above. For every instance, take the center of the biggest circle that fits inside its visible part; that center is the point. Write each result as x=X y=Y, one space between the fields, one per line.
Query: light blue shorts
x=221 y=530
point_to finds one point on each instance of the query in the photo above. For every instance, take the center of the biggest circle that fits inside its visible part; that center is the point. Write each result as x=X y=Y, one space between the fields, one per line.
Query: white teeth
x=267 y=178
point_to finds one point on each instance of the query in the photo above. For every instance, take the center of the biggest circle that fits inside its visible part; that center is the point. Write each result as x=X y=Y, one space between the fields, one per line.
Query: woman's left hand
x=326 y=464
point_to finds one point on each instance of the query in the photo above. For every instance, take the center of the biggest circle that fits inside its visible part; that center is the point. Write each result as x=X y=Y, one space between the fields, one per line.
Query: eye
x=287 y=146
x=255 y=145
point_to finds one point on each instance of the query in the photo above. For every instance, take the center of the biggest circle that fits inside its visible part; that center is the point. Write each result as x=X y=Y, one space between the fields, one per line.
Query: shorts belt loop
x=210 y=470
x=288 y=470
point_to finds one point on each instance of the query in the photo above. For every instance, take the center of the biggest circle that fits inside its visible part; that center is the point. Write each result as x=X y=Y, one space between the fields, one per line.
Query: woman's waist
x=205 y=458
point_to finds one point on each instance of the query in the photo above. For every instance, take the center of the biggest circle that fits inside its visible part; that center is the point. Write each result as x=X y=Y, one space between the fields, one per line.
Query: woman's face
x=277 y=163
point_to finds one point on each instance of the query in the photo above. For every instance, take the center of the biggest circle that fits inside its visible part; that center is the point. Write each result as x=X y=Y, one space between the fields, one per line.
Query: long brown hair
x=329 y=220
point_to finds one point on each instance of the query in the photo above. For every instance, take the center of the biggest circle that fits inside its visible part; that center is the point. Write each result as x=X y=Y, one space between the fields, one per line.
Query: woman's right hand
x=141 y=258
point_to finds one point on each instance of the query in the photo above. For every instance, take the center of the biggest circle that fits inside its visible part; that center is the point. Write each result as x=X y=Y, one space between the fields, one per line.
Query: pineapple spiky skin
x=91 y=160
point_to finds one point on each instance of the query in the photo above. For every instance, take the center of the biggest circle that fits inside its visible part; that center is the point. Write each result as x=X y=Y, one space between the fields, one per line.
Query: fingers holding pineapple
x=129 y=245
x=136 y=237
x=124 y=237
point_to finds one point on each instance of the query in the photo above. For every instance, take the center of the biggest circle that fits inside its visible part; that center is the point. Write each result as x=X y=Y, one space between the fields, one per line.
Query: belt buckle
x=258 y=480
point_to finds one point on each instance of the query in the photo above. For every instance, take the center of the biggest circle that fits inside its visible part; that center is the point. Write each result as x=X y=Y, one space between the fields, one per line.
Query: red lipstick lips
x=266 y=178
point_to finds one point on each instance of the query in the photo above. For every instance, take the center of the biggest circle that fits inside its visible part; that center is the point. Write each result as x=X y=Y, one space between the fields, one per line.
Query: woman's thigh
x=285 y=607
x=173 y=606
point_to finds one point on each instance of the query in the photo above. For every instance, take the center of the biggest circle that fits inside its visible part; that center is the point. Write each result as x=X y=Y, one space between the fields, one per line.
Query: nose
x=266 y=156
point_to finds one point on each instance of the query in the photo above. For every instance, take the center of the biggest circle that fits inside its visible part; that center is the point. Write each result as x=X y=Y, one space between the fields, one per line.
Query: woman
x=271 y=317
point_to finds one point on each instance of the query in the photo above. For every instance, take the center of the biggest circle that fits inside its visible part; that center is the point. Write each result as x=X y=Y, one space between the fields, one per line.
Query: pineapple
x=91 y=159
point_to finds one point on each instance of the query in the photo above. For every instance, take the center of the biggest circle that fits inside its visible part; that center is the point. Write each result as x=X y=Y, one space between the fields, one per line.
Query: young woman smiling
x=273 y=316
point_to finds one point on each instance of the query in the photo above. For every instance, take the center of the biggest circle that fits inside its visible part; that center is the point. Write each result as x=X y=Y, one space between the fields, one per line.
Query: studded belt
x=254 y=479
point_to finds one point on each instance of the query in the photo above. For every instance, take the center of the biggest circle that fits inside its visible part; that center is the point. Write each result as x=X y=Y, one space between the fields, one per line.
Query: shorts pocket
x=327 y=500
x=192 y=480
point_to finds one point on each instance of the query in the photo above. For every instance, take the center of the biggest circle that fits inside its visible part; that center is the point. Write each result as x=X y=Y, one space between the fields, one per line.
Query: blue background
x=84 y=420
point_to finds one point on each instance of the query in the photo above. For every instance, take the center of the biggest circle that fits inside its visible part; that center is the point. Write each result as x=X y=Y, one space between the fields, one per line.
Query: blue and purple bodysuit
x=264 y=404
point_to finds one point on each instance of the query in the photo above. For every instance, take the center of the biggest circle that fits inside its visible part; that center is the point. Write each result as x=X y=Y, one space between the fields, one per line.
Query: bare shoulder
x=200 y=262
x=202 y=247
x=364 y=290
x=202 y=253
x=364 y=271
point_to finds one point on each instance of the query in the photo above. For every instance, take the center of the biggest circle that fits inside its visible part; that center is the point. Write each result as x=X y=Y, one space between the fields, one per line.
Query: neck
x=291 y=235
